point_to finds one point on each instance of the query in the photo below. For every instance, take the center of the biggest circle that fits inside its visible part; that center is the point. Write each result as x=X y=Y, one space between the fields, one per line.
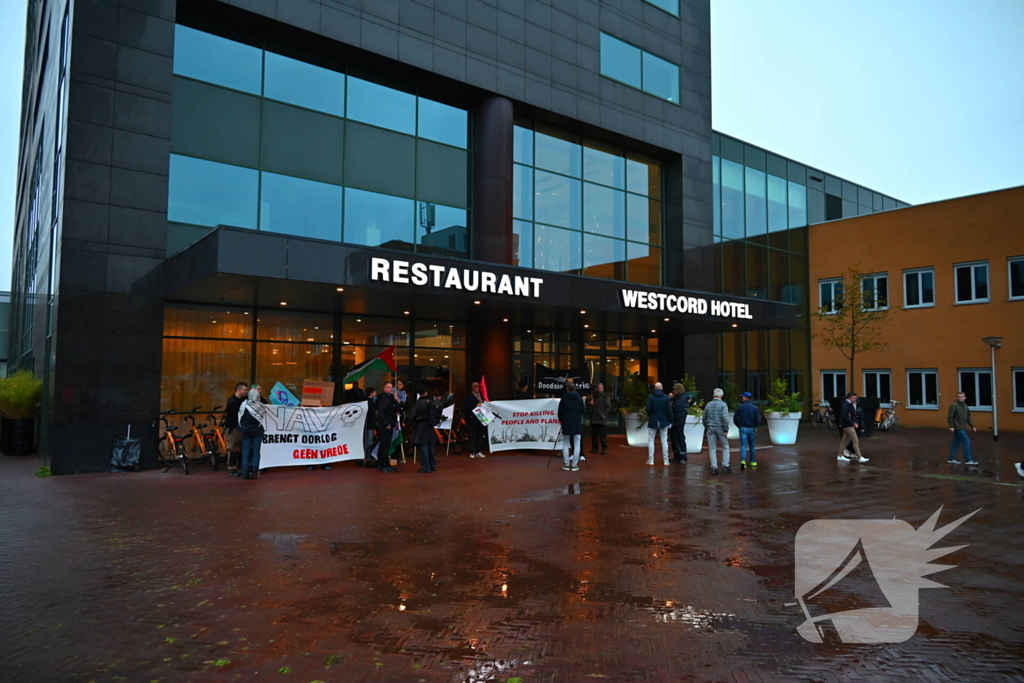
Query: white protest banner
x=529 y=424
x=449 y=415
x=307 y=436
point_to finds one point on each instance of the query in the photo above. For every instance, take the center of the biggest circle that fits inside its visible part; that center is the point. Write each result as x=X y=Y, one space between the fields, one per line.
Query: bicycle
x=823 y=415
x=887 y=419
x=202 y=447
x=216 y=444
x=171 y=449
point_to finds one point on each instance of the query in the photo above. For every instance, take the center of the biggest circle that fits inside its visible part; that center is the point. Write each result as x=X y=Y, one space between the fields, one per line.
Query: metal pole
x=995 y=404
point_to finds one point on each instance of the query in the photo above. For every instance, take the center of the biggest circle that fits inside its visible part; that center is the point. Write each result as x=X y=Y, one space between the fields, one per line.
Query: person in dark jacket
x=680 y=408
x=387 y=420
x=355 y=394
x=425 y=415
x=570 y=413
x=522 y=392
x=851 y=417
x=959 y=419
x=659 y=419
x=232 y=434
x=747 y=417
x=600 y=406
x=475 y=430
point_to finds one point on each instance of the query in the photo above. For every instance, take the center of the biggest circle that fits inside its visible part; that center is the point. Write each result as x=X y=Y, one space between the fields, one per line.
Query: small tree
x=852 y=321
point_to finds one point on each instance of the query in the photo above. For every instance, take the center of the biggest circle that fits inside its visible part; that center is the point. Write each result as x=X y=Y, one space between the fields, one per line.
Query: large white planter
x=734 y=431
x=634 y=436
x=693 y=430
x=783 y=428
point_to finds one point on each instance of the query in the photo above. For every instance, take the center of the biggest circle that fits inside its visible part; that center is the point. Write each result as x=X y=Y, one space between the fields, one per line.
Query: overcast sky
x=919 y=99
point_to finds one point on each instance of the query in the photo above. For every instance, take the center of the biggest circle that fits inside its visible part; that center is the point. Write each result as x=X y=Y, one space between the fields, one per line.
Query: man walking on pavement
x=716 y=425
x=747 y=418
x=959 y=418
x=600 y=406
x=851 y=417
x=680 y=409
x=659 y=419
x=570 y=415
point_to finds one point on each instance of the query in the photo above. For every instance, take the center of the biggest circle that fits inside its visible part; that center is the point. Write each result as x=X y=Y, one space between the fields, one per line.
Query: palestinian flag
x=396 y=440
x=385 y=360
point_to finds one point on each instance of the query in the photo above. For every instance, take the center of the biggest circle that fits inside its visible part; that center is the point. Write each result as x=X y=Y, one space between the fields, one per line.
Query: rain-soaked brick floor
x=493 y=570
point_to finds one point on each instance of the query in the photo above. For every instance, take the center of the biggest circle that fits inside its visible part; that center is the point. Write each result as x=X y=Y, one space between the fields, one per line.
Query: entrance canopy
x=235 y=267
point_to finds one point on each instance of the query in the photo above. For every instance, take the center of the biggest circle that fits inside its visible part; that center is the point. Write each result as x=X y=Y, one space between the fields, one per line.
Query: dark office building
x=212 y=192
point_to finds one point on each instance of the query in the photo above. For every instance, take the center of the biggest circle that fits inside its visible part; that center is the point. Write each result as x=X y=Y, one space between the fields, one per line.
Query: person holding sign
x=476 y=430
x=570 y=414
x=387 y=422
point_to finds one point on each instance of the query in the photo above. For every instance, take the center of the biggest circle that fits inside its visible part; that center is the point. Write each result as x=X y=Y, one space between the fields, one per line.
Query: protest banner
x=548 y=381
x=298 y=435
x=531 y=424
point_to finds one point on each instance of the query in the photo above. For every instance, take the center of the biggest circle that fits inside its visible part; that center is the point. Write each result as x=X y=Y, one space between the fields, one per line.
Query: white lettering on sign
x=468 y=279
x=673 y=303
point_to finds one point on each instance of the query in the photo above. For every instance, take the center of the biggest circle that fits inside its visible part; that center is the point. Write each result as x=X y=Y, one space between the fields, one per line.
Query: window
x=557 y=200
x=971 y=283
x=670 y=6
x=797 y=205
x=1018 y=389
x=381 y=106
x=442 y=123
x=833 y=384
x=631 y=65
x=556 y=249
x=441 y=230
x=878 y=384
x=756 y=205
x=378 y=220
x=977 y=384
x=312 y=87
x=831 y=295
x=732 y=200
x=919 y=288
x=294 y=206
x=923 y=389
x=213 y=59
x=604 y=211
x=777 y=204
x=875 y=292
x=203 y=192
x=1015 y=267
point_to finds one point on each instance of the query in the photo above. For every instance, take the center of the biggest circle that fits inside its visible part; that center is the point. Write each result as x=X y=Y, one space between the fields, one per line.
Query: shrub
x=20 y=395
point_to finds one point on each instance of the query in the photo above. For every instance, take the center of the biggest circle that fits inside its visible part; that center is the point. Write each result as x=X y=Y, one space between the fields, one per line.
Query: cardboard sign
x=317 y=394
x=483 y=414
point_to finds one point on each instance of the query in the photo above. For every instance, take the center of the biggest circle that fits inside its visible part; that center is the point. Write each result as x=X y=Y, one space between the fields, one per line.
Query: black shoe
x=714 y=471
x=423 y=471
x=743 y=465
x=235 y=473
x=325 y=467
x=390 y=469
x=593 y=451
x=728 y=470
x=604 y=451
x=310 y=468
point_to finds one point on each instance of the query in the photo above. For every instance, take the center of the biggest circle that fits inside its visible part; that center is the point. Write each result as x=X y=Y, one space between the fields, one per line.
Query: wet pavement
x=496 y=570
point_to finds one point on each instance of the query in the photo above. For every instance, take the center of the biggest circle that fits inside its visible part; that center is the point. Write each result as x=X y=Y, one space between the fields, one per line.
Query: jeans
x=960 y=437
x=718 y=437
x=575 y=438
x=251 y=444
x=428 y=461
x=747 y=441
x=599 y=437
x=662 y=433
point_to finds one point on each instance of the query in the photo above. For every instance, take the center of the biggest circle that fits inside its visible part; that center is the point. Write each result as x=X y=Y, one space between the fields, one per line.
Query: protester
x=387 y=421
x=232 y=435
x=680 y=409
x=570 y=414
x=475 y=430
x=250 y=422
x=355 y=394
x=600 y=406
x=659 y=419
x=851 y=417
x=959 y=418
x=716 y=426
x=371 y=418
x=522 y=392
x=426 y=414
x=747 y=417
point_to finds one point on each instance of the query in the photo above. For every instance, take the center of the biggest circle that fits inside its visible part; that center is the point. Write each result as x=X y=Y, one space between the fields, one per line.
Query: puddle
x=551 y=494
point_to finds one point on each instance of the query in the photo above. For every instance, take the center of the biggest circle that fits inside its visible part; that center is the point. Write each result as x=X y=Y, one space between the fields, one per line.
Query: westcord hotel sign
x=680 y=303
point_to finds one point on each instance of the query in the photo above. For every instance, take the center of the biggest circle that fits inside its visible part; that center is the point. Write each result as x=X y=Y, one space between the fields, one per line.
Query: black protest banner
x=552 y=382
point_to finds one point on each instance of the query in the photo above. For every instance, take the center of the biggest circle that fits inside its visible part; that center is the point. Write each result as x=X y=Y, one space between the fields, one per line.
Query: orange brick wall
x=947 y=336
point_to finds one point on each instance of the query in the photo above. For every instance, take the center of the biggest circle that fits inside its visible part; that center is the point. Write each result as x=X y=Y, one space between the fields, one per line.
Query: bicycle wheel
x=830 y=421
x=895 y=426
x=168 y=456
x=182 y=458
x=816 y=419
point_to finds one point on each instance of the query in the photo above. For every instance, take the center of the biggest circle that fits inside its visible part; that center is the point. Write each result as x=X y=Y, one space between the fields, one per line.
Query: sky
x=919 y=99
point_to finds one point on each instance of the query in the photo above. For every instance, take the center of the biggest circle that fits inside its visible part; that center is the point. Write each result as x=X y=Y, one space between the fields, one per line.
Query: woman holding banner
x=476 y=430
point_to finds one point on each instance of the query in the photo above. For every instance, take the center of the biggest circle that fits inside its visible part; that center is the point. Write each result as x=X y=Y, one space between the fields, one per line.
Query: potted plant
x=634 y=413
x=693 y=430
x=784 y=413
x=732 y=400
x=20 y=397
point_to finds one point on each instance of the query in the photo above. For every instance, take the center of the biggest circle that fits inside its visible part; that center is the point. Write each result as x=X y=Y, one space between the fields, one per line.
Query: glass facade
x=640 y=69
x=583 y=207
x=266 y=142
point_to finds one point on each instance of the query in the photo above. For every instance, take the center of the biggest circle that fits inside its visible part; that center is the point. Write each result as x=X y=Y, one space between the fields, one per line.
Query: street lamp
x=994 y=343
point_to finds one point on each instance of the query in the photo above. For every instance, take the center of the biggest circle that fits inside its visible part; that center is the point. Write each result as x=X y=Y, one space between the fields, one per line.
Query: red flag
x=483 y=388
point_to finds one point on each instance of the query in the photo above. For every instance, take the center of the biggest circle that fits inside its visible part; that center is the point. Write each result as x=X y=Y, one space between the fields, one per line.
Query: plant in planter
x=784 y=413
x=634 y=413
x=732 y=400
x=693 y=430
x=20 y=397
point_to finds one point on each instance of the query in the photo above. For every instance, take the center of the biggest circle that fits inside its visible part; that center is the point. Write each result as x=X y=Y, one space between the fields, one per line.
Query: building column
x=492 y=180
x=490 y=354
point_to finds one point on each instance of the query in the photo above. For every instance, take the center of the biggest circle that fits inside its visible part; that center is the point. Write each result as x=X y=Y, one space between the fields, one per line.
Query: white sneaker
x=583 y=458
x=650 y=461
x=840 y=458
x=472 y=455
x=666 y=463
x=566 y=468
x=862 y=459
x=1020 y=469
x=480 y=455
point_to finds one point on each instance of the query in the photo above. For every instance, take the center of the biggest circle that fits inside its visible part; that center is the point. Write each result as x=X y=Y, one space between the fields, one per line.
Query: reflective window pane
x=522 y=145
x=522 y=244
x=522 y=192
x=797 y=205
x=604 y=257
x=643 y=177
x=643 y=220
x=442 y=123
x=778 y=209
x=670 y=6
x=716 y=193
x=558 y=155
x=378 y=220
x=294 y=206
x=757 y=205
x=1016 y=267
x=644 y=266
x=604 y=210
x=620 y=60
x=661 y=78
x=602 y=167
x=732 y=199
x=557 y=250
x=210 y=58
x=381 y=106
x=441 y=230
x=557 y=200
x=293 y=326
x=376 y=333
x=207 y=193
x=295 y=82
x=202 y=372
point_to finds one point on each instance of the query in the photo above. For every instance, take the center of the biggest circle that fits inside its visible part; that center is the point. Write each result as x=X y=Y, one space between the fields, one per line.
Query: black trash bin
x=125 y=456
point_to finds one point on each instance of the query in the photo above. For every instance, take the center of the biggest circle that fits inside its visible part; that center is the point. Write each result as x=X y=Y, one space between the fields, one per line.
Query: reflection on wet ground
x=496 y=570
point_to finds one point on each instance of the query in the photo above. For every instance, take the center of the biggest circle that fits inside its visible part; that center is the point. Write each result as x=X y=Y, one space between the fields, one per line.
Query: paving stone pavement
x=495 y=570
